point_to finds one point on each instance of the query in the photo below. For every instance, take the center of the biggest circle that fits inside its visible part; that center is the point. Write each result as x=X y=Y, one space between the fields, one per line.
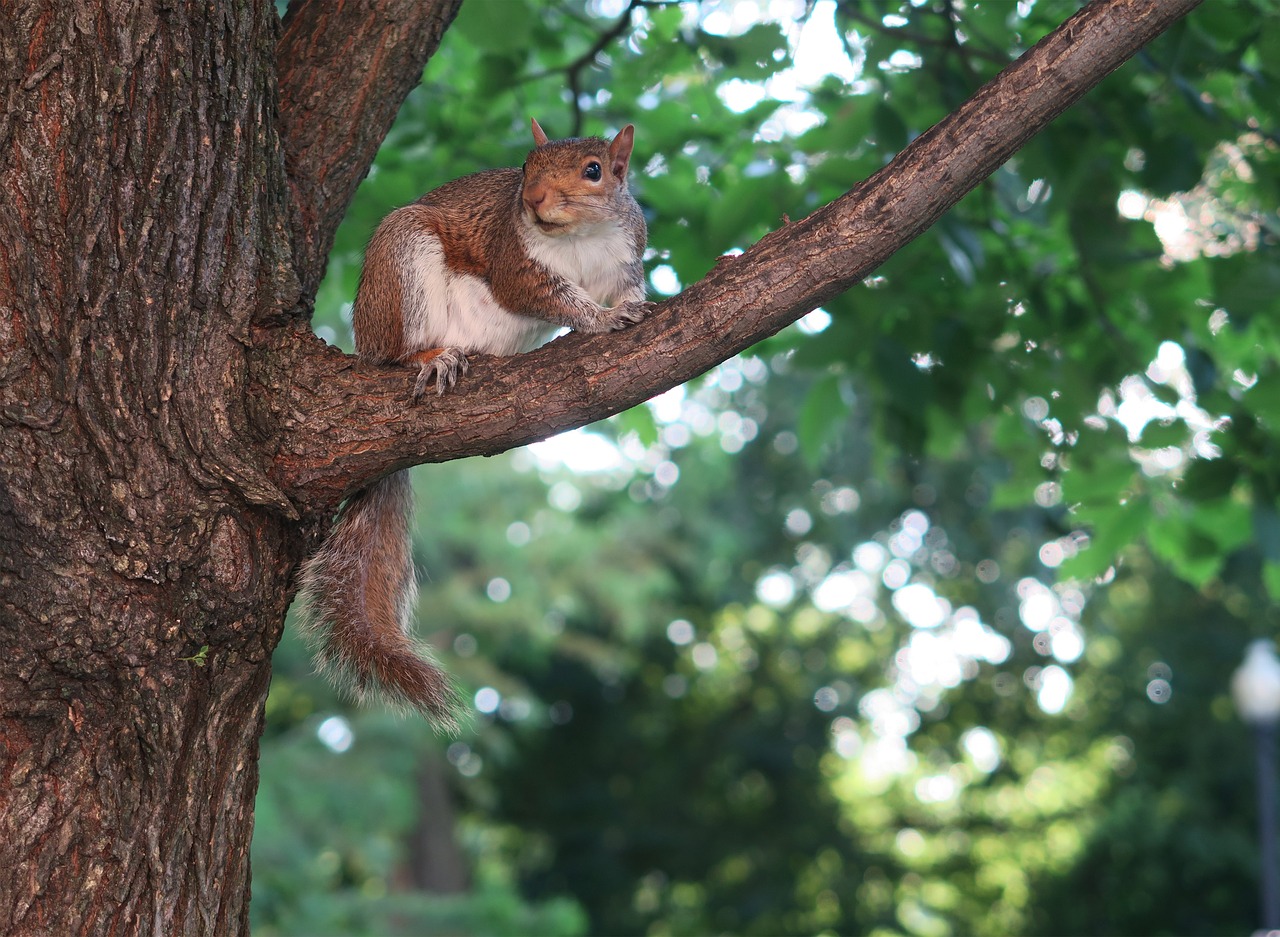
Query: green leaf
x=1263 y=398
x=1103 y=484
x=1157 y=434
x=1173 y=165
x=495 y=71
x=1246 y=285
x=889 y=127
x=1112 y=530
x=757 y=53
x=1203 y=370
x=1191 y=554
x=1164 y=393
x=495 y=25
x=1206 y=479
x=638 y=420
x=1225 y=522
x=1017 y=492
x=824 y=412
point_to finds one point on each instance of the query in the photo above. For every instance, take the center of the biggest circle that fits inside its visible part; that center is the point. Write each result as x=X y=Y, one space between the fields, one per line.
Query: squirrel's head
x=569 y=183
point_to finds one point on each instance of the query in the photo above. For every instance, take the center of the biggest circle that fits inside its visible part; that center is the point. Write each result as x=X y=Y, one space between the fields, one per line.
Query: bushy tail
x=359 y=591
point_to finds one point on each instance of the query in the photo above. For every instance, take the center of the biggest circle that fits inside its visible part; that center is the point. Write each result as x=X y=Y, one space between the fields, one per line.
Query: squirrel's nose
x=534 y=197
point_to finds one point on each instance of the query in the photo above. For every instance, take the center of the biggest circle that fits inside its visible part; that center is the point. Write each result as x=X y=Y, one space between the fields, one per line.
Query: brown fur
x=377 y=316
x=360 y=587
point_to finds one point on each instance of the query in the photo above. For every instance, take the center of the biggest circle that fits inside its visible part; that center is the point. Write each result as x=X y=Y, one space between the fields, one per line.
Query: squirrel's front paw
x=625 y=314
x=445 y=366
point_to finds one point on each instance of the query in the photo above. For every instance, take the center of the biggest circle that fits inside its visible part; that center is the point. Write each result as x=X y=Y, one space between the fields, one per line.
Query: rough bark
x=170 y=435
x=142 y=175
x=145 y=221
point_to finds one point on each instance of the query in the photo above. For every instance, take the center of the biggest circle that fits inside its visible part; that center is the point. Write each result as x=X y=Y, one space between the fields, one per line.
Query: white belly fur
x=447 y=309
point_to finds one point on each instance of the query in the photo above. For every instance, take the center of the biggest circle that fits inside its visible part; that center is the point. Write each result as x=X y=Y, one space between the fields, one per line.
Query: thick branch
x=344 y=68
x=349 y=422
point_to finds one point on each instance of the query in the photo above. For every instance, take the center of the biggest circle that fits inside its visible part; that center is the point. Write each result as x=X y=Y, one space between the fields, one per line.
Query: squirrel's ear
x=620 y=151
x=539 y=135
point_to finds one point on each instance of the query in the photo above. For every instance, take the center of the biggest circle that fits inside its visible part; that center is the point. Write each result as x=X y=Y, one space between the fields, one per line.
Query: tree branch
x=347 y=422
x=344 y=68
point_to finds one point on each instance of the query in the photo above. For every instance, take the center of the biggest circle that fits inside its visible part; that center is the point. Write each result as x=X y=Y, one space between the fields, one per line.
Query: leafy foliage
x=918 y=619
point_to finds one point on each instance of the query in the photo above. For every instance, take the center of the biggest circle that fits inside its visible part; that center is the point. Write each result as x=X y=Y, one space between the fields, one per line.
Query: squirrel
x=494 y=263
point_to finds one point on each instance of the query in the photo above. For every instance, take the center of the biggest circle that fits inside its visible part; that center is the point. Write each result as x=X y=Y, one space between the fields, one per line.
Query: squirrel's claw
x=445 y=367
x=628 y=313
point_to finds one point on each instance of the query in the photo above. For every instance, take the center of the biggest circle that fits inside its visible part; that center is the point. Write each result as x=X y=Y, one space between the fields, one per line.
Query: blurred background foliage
x=918 y=618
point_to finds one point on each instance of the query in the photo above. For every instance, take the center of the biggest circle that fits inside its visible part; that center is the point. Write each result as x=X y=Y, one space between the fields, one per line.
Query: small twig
x=919 y=38
x=969 y=49
x=573 y=70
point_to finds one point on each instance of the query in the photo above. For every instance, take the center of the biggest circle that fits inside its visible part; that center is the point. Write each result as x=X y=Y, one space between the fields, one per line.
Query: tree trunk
x=436 y=861
x=138 y=239
x=172 y=440
x=146 y=225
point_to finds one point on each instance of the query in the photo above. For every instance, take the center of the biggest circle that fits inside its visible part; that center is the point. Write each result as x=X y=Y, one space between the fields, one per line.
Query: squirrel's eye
x=592 y=172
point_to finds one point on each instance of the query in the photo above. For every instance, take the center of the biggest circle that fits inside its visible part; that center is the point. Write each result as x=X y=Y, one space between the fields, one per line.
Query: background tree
x=771 y=787
x=174 y=442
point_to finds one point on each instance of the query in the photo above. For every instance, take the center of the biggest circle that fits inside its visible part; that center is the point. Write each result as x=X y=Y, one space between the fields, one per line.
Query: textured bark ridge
x=172 y=437
x=146 y=220
x=142 y=185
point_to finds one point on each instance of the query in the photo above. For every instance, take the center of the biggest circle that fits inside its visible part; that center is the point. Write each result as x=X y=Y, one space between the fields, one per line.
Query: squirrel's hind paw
x=444 y=365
